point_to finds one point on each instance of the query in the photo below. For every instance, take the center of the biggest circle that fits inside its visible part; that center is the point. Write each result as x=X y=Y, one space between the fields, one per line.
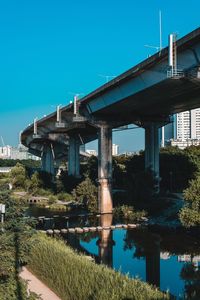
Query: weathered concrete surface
x=105 y=170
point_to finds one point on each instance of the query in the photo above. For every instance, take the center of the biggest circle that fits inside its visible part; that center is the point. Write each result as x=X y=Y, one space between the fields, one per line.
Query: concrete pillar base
x=105 y=196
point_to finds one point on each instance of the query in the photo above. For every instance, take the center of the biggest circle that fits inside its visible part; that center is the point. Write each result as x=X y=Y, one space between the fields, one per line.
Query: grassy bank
x=74 y=277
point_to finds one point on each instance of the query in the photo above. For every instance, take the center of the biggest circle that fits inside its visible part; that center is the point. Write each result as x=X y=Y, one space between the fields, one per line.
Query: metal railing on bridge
x=175 y=74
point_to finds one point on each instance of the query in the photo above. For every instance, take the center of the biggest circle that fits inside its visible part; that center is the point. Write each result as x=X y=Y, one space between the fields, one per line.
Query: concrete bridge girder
x=143 y=92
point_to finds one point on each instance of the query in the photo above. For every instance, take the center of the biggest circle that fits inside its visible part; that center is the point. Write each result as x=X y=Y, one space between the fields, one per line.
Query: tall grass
x=73 y=277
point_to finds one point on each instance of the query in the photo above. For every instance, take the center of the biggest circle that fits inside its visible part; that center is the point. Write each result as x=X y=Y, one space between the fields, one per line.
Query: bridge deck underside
x=163 y=99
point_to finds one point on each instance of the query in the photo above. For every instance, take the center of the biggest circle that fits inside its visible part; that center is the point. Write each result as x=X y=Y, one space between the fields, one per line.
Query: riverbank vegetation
x=15 y=234
x=73 y=277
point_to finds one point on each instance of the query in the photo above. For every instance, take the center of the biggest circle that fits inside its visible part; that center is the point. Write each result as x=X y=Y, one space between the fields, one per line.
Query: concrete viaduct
x=146 y=95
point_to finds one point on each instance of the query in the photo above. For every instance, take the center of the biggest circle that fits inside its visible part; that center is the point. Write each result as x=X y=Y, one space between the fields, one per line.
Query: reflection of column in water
x=105 y=241
x=74 y=241
x=153 y=263
x=67 y=221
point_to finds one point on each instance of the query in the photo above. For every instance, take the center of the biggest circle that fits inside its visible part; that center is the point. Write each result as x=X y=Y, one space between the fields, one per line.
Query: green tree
x=86 y=193
x=90 y=169
x=66 y=183
x=190 y=213
x=18 y=176
x=35 y=183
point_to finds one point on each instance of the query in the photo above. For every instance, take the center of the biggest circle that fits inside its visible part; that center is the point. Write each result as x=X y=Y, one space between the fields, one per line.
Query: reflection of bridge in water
x=106 y=243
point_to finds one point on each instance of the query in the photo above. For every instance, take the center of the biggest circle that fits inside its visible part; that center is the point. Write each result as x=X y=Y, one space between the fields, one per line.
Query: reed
x=73 y=277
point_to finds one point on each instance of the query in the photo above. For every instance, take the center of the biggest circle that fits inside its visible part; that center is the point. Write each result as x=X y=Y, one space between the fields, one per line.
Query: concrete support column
x=47 y=160
x=152 y=150
x=105 y=169
x=74 y=157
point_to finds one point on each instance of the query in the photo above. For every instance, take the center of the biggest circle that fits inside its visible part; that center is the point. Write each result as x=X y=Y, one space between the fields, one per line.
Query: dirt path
x=38 y=287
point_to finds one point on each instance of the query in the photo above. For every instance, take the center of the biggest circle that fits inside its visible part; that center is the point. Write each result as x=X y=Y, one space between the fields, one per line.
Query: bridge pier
x=152 y=151
x=105 y=169
x=47 y=160
x=74 y=157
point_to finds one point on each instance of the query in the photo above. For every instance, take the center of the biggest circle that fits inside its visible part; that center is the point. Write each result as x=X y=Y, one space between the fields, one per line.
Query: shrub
x=59 y=207
x=52 y=199
x=127 y=213
x=64 y=197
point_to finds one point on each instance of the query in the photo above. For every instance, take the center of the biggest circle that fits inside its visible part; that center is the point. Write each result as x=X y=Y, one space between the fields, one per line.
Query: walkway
x=38 y=287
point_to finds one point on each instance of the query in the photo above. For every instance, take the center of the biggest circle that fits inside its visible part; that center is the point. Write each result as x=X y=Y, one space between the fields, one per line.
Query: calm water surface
x=168 y=259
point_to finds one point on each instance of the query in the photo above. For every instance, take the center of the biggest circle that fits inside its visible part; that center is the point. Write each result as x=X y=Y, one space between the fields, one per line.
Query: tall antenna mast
x=158 y=48
x=160 y=27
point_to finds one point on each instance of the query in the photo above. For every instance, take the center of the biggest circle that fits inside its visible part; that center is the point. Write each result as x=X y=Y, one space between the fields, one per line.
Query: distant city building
x=20 y=152
x=5 y=152
x=91 y=152
x=183 y=144
x=115 y=149
x=194 y=259
x=188 y=125
x=183 y=131
x=130 y=153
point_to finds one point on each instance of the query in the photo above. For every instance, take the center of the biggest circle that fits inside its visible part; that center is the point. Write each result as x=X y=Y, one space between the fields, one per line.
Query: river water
x=168 y=259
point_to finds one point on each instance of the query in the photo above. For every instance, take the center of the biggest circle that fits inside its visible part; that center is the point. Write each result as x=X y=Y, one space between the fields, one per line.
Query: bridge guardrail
x=175 y=74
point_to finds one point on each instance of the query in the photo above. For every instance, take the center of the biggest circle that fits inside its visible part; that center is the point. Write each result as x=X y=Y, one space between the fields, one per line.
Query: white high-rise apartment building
x=115 y=149
x=5 y=151
x=188 y=125
x=184 y=130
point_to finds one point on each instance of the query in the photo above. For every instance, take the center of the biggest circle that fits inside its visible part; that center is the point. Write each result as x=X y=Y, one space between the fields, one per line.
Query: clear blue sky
x=52 y=48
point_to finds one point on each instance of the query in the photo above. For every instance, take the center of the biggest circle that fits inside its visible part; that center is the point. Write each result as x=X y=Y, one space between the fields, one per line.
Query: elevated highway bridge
x=146 y=95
